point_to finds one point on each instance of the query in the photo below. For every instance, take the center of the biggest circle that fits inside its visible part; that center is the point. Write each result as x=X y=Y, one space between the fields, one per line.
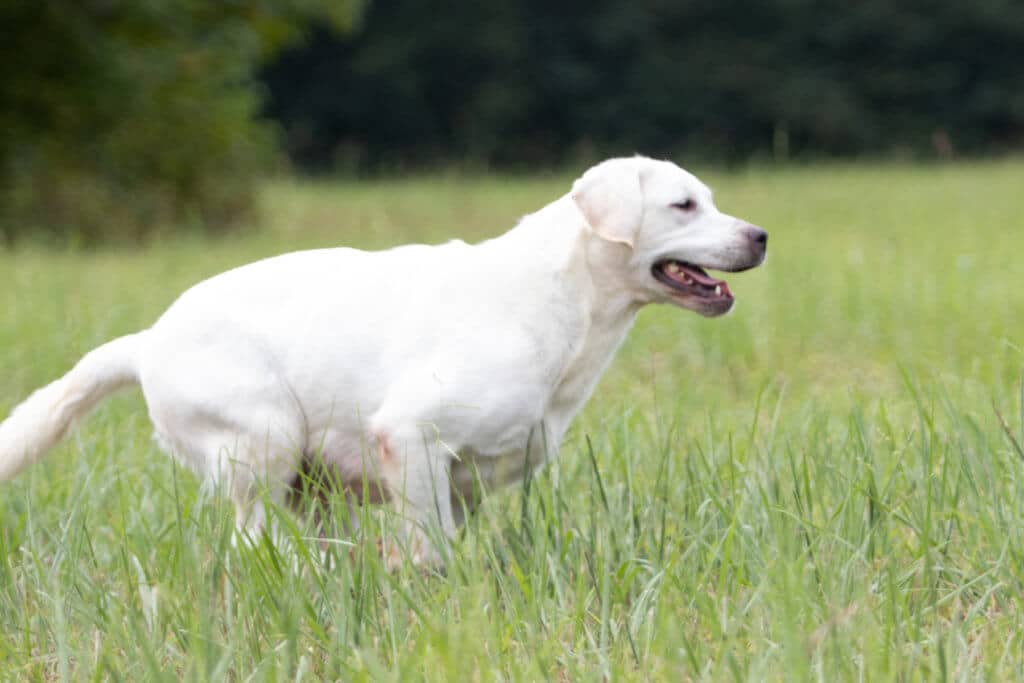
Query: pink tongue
x=702 y=278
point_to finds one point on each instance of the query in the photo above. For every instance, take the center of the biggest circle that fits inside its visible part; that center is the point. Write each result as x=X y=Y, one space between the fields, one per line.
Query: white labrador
x=420 y=370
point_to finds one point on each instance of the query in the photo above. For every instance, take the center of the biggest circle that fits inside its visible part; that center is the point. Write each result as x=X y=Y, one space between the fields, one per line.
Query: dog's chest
x=585 y=367
x=578 y=379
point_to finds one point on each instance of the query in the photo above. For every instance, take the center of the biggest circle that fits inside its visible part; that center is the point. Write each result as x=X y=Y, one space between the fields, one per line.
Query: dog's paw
x=418 y=551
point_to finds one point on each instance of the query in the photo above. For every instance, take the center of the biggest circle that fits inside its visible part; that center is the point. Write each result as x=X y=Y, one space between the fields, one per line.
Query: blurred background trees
x=118 y=116
x=542 y=82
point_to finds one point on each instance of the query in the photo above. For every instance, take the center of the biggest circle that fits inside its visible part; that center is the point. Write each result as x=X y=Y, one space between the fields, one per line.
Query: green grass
x=818 y=486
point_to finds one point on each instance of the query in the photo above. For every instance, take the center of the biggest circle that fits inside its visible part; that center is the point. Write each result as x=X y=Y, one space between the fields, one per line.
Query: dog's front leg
x=414 y=467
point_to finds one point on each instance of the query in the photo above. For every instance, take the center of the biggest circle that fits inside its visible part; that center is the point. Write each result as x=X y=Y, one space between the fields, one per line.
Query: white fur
x=419 y=369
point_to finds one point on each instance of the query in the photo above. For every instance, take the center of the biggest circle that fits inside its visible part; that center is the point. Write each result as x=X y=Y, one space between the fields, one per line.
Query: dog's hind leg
x=253 y=471
x=257 y=474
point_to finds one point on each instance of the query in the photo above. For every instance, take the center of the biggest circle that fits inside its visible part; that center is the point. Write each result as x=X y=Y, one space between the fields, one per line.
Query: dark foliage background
x=118 y=117
x=542 y=82
x=121 y=117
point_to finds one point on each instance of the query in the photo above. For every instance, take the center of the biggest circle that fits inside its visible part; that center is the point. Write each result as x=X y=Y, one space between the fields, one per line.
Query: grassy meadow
x=827 y=484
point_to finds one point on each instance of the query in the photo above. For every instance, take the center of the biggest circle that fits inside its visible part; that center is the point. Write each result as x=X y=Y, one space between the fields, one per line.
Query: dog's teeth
x=718 y=290
x=674 y=268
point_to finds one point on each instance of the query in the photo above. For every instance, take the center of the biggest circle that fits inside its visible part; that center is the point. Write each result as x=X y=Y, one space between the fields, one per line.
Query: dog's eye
x=685 y=205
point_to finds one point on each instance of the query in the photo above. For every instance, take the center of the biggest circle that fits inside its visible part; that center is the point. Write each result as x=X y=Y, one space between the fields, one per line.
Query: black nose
x=757 y=235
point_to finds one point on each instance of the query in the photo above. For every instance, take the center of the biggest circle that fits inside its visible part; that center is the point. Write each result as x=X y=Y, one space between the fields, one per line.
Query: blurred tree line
x=120 y=115
x=536 y=81
x=117 y=116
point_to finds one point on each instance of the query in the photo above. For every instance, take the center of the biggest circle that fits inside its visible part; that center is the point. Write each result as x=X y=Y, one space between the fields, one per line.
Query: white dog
x=421 y=370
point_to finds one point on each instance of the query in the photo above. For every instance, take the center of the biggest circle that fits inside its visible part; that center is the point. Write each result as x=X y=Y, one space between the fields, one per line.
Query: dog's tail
x=42 y=419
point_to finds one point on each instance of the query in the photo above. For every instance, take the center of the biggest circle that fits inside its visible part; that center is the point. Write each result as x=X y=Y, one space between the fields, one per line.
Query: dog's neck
x=593 y=280
x=557 y=240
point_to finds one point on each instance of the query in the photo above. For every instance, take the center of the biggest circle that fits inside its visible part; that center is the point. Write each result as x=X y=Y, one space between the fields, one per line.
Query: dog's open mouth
x=686 y=278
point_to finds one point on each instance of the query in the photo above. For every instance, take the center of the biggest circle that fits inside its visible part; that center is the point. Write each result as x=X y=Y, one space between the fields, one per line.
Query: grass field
x=827 y=484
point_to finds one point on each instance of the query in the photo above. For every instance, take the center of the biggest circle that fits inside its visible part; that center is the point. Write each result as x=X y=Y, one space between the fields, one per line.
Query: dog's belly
x=353 y=466
x=471 y=476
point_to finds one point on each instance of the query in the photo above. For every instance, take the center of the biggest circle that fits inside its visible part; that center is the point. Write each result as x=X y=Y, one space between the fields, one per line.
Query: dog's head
x=667 y=221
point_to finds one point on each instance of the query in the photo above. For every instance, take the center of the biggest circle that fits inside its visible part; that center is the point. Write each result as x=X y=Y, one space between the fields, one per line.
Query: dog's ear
x=611 y=200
